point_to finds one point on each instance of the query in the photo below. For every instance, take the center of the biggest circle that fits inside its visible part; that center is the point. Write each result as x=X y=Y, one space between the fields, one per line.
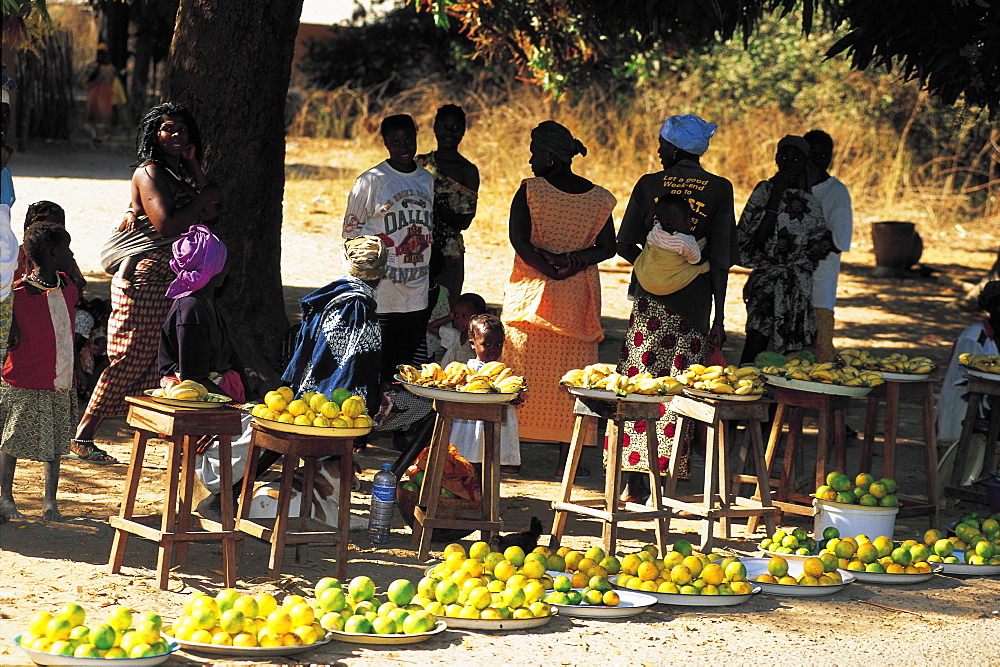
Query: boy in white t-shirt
x=394 y=201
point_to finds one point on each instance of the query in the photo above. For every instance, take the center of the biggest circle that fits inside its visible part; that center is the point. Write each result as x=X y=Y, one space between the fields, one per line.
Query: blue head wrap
x=688 y=132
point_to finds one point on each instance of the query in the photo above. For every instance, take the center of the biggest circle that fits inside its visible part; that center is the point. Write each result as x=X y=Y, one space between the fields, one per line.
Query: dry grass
x=884 y=179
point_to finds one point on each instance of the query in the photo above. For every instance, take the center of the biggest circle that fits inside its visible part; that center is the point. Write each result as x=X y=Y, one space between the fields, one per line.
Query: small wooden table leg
x=891 y=426
x=432 y=482
x=671 y=486
x=188 y=455
x=305 y=503
x=612 y=484
x=344 y=511
x=491 y=474
x=822 y=447
x=120 y=542
x=569 y=474
x=757 y=452
x=246 y=490
x=930 y=453
x=871 y=425
x=655 y=487
x=281 y=515
x=166 y=550
x=228 y=522
x=709 y=490
x=791 y=446
x=962 y=451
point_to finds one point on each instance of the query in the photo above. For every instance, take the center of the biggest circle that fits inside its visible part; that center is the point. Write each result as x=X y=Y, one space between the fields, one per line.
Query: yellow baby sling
x=662 y=272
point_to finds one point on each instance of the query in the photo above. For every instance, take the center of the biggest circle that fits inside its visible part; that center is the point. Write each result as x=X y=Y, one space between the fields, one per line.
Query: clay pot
x=897 y=247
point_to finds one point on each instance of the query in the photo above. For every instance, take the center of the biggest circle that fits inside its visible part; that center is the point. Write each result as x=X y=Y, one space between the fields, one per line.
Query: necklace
x=37 y=281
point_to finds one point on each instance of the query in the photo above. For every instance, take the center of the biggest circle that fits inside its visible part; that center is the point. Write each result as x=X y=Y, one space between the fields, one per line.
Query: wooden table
x=978 y=388
x=487 y=517
x=719 y=502
x=594 y=413
x=303 y=529
x=181 y=428
x=893 y=391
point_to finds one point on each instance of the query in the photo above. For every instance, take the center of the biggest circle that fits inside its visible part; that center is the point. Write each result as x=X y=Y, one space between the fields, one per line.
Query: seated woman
x=194 y=344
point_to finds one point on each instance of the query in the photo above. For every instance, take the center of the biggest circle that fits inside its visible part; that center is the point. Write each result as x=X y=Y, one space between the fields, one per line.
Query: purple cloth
x=198 y=256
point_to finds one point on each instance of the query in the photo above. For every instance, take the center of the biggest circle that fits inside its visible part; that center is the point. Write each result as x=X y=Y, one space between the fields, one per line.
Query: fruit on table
x=881 y=555
x=187 y=390
x=987 y=363
x=492 y=378
x=682 y=571
x=825 y=373
x=894 y=363
x=865 y=490
x=339 y=410
x=605 y=376
x=724 y=379
x=125 y=634
x=486 y=585
x=816 y=571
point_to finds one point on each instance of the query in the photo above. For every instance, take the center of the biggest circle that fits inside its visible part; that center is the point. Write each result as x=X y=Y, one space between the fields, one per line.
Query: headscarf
x=810 y=174
x=556 y=139
x=990 y=294
x=198 y=256
x=798 y=142
x=366 y=257
x=688 y=132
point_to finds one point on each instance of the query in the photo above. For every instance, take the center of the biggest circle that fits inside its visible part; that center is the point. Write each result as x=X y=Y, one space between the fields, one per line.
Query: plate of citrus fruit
x=814 y=577
x=341 y=414
x=598 y=600
x=883 y=561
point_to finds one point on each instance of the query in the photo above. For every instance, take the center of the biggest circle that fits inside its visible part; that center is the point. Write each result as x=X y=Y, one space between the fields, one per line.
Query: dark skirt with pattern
x=37 y=423
x=660 y=342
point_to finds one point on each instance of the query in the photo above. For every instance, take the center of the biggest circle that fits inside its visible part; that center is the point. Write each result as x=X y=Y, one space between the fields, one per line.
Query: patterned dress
x=781 y=285
x=554 y=325
x=452 y=196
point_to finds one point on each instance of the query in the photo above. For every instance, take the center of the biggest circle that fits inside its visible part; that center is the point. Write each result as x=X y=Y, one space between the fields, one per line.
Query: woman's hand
x=213 y=192
x=129 y=221
x=189 y=154
x=717 y=335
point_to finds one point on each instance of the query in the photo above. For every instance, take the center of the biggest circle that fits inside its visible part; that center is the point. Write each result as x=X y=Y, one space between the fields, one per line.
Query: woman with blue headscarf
x=669 y=332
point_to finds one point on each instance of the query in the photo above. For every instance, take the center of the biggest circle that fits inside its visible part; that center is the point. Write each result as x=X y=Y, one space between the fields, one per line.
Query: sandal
x=96 y=455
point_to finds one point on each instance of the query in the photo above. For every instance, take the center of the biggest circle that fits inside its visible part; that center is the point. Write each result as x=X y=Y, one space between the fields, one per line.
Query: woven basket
x=407 y=500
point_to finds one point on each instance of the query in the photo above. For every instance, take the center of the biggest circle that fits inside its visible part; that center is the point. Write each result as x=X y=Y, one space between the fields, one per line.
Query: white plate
x=194 y=405
x=964 y=568
x=632 y=603
x=43 y=658
x=904 y=377
x=325 y=431
x=692 y=600
x=250 y=652
x=356 y=638
x=758 y=566
x=499 y=624
x=982 y=374
x=606 y=395
x=702 y=393
x=456 y=396
x=886 y=578
x=817 y=387
x=772 y=554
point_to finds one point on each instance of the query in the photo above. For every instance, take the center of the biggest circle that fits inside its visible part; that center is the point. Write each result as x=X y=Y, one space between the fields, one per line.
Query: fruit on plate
x=683 y=571
x=358 y=610
x=864 y=490
x=492 y=378
x=187 y=390
x=339 y=410
x=745 y=380
x=796 y=542
x=978 y=535
x=605 y=376
x=987 y=363
x=825 y=373
x=484 y=584
x=816 y=571
x=894 y=363
x=122 y=634
x=880 y=555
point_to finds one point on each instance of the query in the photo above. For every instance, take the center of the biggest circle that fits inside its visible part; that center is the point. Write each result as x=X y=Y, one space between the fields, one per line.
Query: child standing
x=671 y=257
x=486 y=334
x=454 y=328
x=37 y=401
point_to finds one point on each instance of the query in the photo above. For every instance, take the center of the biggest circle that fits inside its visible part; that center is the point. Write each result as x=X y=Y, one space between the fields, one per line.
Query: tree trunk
x=230 y=63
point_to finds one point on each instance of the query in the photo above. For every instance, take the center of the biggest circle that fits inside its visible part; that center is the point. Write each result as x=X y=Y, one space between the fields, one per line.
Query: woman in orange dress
x=561 y=228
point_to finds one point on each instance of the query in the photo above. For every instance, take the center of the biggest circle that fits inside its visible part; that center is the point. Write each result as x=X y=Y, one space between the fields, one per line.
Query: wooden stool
x=303 y=529
x=978 y=388
x=591 y=413
x=181 y=428
x=892 y=391
x=719 y=415
x=487 y=517
x=791 y=403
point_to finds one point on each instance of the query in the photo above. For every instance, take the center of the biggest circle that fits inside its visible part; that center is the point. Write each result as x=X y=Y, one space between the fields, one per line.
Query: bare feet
x=8 y=511
x=52 y=514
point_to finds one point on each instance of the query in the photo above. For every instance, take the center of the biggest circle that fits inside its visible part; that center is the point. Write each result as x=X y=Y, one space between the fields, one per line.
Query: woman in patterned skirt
x=668 y=333
x=170 y=192
x=561 y=228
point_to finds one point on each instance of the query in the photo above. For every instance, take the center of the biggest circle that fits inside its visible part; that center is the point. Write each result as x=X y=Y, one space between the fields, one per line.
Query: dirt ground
x=46 y=565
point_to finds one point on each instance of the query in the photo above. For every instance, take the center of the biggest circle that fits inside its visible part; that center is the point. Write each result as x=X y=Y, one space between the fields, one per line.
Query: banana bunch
x=186 y=390
x=987 y=363
x=724 y=379
x=492 y=378
x=826 y=373
x=605 y=376
x=894 y=363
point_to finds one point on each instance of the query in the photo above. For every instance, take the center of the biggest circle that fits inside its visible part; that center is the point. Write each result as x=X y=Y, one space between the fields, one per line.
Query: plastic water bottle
x=383 y=500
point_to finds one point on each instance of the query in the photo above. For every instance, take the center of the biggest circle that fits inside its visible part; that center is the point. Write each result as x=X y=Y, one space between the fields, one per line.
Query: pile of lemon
x=880 y=555
x=485 y=584
x=247 y=621
x=816 y=571
x=121 y=635
x=795 y=542
x=682 y=571
x=589 y=571
x=972 y=531
x=358 y=610
x=338 y=410
x=866 y=490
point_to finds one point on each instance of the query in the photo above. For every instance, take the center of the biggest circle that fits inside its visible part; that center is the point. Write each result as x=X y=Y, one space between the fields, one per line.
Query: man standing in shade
x=835 y=201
